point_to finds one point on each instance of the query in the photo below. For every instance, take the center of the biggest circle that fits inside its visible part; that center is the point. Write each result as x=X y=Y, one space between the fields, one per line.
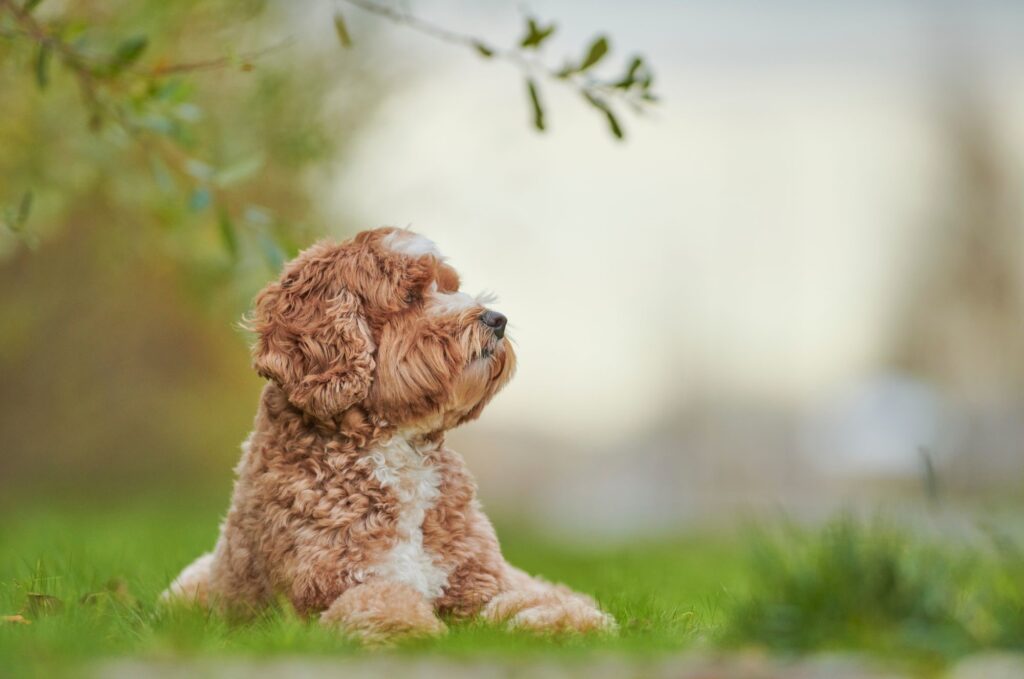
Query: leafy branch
x=149 y=102
x=633 y=88
x=109 y=85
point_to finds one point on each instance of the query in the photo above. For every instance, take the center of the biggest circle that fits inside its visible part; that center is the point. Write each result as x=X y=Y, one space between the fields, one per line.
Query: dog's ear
x=312 y=339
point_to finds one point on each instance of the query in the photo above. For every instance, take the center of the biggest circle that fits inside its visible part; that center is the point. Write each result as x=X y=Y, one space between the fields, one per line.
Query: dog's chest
x=415 y=481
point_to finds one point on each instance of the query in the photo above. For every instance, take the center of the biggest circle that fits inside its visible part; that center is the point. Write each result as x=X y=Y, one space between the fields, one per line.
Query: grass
x=88 y=580
x=870 y=587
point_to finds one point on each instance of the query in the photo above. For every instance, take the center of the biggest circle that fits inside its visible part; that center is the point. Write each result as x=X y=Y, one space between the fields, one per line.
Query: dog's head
x=378 y=324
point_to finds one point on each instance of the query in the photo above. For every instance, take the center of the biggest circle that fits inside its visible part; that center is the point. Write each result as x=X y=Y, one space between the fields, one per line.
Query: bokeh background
x=796 y=285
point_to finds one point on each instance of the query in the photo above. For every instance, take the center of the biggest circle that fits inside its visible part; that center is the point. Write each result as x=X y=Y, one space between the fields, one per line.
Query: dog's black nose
x=494 y=321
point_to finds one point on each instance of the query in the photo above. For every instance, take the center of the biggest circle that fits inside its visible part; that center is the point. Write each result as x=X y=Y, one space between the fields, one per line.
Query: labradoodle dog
x=347 y=501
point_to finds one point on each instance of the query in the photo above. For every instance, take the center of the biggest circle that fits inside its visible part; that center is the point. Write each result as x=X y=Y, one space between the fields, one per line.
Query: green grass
x=106 y=568
x=88 y=580
x=870 y=587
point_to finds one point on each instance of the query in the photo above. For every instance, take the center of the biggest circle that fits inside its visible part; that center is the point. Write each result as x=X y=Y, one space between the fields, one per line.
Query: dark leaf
x=341 y=29
x=629 y=79
x=24 y=209
x=602 y=106
x=483 y=50
x=536 y=34
x=227 y=233
x=43 y=66
x=538 y=108
x=30 y=5
x=613 y=124
x=598 y=49
x=634 y=66
x=127 y=53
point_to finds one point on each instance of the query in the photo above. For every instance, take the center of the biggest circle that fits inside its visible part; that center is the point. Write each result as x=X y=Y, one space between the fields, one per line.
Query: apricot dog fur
x=347 y=501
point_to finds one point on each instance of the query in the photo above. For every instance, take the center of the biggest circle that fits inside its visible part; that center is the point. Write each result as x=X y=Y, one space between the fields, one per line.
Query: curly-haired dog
x=347 y=501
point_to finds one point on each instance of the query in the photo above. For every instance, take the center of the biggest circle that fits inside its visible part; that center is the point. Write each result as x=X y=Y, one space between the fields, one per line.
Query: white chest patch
x=399 y=466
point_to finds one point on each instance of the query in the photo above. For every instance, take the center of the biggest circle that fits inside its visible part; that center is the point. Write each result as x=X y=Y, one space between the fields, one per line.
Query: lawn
x=87 y=581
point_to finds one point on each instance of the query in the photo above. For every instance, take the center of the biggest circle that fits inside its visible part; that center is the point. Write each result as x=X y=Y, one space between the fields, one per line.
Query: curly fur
x=347 y=501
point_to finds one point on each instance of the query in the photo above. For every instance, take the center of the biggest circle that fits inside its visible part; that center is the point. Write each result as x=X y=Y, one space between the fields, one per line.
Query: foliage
x=135 y=113
x=139 y=108
x=634 y=88
x=853 y=586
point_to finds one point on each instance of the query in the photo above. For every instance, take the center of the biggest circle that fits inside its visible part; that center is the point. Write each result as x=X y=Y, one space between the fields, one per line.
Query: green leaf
x=536 y=34
x=199 y=199
x=483 y=50
x=24 y=209
x=647 y=80
x=613 y=124
x=238 y=172
x=172 y=90
x=272 y=252
x=188 y=112
x=341 y=29
x=538 y=108
x=629 y=79
x=161 y=174
x=43 y=66
x=258 y=216
x=127 y=53
x=609 y=115
x=199 y=169
x=227 y=233
x=565 y=71
x=30 y=5
x=598 y=49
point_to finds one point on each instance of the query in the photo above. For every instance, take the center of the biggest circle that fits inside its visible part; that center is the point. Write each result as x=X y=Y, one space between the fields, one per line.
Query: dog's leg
x=192 y=586
x=225 y=579
x=531 y=603
x=381 y=610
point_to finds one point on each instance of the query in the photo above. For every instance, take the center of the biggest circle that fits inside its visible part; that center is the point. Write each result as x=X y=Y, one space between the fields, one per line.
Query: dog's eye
x=412 y=297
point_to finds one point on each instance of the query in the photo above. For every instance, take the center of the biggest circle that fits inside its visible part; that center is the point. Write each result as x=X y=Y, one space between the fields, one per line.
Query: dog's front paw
x=570 y=615
x=548 y=608
x=380 y=612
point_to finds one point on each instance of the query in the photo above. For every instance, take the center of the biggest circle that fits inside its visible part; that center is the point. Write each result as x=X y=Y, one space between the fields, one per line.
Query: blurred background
x=797 y=283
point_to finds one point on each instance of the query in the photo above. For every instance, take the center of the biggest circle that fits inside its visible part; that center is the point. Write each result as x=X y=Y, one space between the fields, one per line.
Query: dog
x=347 y=502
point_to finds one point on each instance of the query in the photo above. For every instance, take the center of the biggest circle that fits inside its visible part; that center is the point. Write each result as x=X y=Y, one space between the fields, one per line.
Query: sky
x=752 y=238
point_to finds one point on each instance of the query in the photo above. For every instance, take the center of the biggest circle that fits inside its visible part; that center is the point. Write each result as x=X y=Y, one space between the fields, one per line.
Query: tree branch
x=597 y=93
x=74 y=61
